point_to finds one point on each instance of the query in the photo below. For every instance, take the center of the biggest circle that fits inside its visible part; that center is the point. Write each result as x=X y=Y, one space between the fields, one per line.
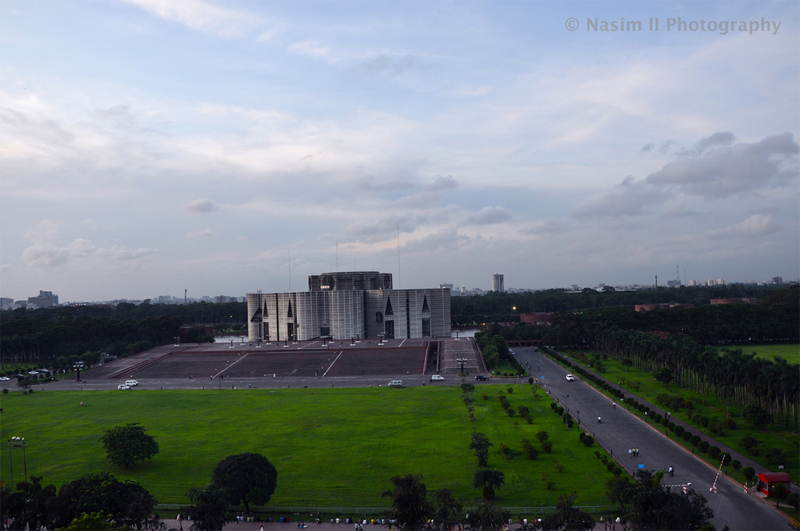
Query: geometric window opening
x=389 y=310
x=289 y=313
x=425 y=304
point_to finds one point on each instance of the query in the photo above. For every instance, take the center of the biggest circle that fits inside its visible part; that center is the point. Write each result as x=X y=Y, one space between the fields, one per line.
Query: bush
x=714 y=452
x=736 y=464
x=687 y=435
x=748 y=472
x=776 y=456
x=779 y=491
x=530 y=381
x=671 y=426
x=703 y=446
x=547 y=446
x=610 y=467
x=726 y=458
x=695 y=440
x=687 y=404
x=750 y=445
x=560 y=411
x=794 y=500
x=658 y=417
x=729 y=423
x=542 y=436
x=679 y=430
x=588 y=440
x=664 y=421
x=510 y=390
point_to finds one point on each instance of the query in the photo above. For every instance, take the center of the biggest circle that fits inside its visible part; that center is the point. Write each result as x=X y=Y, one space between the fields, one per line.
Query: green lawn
x=788 y=351
x=332 y=447
x=646 y=386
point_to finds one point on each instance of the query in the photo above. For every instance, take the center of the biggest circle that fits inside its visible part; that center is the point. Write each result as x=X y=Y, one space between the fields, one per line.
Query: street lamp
x=17 y=442
x=462 y=361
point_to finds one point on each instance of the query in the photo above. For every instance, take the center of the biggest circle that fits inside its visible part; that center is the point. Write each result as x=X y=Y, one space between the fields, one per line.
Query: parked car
x=481 y=377
x=396 y=383
x=124 y=387
x=131 y=383
x=437 y=378
x=4 y=379
x=570 y=378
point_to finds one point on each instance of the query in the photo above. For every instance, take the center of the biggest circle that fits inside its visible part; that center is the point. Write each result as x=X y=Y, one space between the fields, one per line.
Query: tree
x=410 y=507
x=447 y=510
x=246 y=478
x=126 y=502
x=480 y=444
x=616 y=489
x=92 y=522
x=567 y=517
x=28 y=506
x=208 y=508
x=488 y=480
x=653 y=506
x=487 y=517
x=127 y=444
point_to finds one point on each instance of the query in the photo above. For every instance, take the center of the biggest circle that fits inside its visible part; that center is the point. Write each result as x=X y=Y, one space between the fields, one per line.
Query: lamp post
x=177 y=341
x=17 y=442
x=461 y=361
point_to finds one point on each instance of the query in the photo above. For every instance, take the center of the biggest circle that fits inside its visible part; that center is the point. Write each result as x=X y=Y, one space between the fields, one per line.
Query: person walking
x=630 y=452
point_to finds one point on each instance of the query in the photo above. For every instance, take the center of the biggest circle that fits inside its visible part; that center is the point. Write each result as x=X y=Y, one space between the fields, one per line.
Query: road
x=621 y=430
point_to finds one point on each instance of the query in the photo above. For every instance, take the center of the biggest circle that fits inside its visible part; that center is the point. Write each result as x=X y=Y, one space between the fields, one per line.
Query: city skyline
x=147 y=147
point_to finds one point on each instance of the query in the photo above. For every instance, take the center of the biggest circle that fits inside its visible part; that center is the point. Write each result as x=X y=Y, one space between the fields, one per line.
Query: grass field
x=646 y=386
x=331 y=447
x=788 y=351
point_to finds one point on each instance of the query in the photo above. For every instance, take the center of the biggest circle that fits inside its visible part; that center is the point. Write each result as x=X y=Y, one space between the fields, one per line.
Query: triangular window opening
x=256 y=316
x=389 y=310
x=266 y=313
x=425 y=304
x=289 y=313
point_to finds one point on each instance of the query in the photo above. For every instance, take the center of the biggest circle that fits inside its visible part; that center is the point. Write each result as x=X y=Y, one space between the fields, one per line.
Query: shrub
x=542 y=436
x=505 y=450
x=588 y=440
x=658 y=417
x=547 y=446
x=510 y=412
x=610 y=467
x=679 y=430
x=485 y=396
x=510 y=390
x=776 y=456
x=736 y=464
x=553 y=406
x=695 y=440
x=560 y=411
x=687 y=404
x=748 y=472
x=687 y=435
x=530 y=381
x=750 y=445
x=617 y=471
x=794 y=500
x=703 y=420
x=671 y=426
x=779 y=491
x=664 y=421
x=703 y=446
x=714 y=452
x=729 y=423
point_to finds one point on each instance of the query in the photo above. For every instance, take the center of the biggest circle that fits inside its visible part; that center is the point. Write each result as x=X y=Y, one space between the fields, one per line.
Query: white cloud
x=201 y=16
x=489 y=216
x=43 y=254
x=205 y=233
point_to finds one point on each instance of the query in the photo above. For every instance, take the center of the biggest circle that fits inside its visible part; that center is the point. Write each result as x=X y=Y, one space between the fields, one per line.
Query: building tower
x=497 y=283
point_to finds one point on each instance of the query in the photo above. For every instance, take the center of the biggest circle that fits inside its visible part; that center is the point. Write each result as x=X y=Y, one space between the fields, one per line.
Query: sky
x=149 y=147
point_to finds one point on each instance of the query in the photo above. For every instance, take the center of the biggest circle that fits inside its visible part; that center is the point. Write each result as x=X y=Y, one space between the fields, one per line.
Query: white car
x=396 y=383
x=437 y=378
x=131 y=383
x=5 y=379
x=570 y=378
x=124 y=387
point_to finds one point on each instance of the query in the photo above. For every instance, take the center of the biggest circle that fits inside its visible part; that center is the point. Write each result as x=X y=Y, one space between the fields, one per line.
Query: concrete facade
x=332 y=310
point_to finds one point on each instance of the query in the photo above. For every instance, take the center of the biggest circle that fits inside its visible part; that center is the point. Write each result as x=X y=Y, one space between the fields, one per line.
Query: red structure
x=768 y=480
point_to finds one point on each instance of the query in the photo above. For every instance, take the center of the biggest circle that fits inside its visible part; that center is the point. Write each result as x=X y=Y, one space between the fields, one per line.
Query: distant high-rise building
x=777 y=280
x=44 y=300
x=497 y=283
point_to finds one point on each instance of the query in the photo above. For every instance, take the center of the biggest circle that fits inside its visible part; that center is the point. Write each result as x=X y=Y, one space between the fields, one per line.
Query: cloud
x=44 y=229
x=489 y=216
x=200 y=206
x=205 y=233
x=731 y=170
x=446 y=238
x=722 y=138
x=548 y=226
x=631 y=198
x=753 y=227
x=647 y=148
x=706 y=174
x=311 y=49
x=43 y=254
x=201 y=16
x=445 y=182
x=390 y=65
x=371 y=184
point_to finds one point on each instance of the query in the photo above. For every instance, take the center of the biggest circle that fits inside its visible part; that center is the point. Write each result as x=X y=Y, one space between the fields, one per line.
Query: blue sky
x=152 y=146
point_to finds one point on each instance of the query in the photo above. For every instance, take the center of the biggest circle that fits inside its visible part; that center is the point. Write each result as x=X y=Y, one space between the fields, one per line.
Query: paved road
x=621 y=430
